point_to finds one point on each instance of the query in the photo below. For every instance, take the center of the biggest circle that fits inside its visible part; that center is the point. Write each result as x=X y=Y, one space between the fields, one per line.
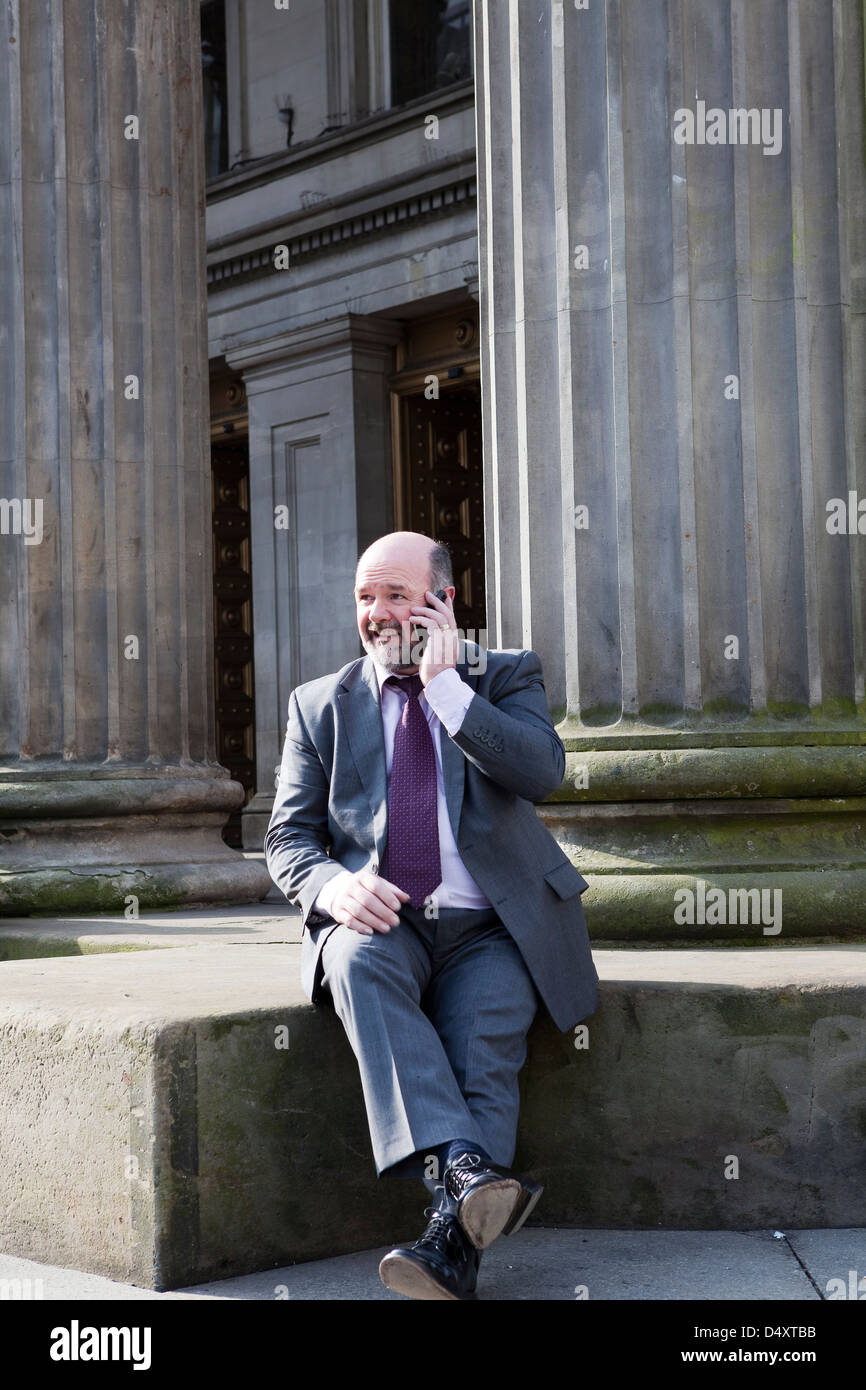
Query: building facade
x=343 y=334
x=668 y=349
x=576 y=287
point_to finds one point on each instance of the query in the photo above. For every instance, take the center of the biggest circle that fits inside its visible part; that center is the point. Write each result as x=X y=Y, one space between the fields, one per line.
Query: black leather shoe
x=489 y=1201
x=442 y=1264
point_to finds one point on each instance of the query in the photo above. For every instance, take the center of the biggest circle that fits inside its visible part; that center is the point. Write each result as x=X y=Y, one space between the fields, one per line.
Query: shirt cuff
x=326 y=895
x=449 y=697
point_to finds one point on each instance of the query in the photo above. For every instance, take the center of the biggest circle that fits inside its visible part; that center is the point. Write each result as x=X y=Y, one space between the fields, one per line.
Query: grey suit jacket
x=331 y=812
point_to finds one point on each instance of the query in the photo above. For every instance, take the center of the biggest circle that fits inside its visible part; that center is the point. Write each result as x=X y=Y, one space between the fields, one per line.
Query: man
x=437 y=908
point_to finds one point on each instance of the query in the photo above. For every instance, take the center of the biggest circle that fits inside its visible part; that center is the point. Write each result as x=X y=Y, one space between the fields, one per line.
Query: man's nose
x=379 y=612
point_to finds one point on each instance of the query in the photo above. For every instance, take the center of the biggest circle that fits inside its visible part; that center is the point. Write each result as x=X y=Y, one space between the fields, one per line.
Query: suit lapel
x=362 y=718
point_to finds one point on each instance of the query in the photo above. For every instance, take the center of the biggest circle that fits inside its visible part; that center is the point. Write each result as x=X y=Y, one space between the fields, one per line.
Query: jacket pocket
x=565 y=880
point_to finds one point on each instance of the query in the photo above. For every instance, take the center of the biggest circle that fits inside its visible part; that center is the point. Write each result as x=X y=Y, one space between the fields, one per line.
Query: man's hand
x=440 y=652
x=368 y=903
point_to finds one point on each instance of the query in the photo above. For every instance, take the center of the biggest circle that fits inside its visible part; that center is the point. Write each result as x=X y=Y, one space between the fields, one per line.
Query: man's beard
x=397 y=654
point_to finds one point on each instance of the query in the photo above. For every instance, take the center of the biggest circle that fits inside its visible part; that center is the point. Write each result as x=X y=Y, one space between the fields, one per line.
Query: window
x=431 y=46
x=213 y=67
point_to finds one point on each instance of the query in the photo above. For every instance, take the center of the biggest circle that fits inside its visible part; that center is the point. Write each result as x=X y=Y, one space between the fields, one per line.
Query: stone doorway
x=436 y=429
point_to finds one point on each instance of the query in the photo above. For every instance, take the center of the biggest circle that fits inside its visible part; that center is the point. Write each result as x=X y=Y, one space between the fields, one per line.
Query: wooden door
x=442 y=492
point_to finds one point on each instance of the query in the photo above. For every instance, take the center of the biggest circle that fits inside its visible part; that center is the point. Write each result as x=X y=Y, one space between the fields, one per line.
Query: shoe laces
x=442 y=1233
x=462 y=1170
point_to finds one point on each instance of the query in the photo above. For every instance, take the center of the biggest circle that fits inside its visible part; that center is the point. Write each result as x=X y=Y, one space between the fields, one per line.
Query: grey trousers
x=437 y=1013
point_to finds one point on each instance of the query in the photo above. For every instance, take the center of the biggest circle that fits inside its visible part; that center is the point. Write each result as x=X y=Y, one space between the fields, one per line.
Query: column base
x=733 y=846
x=99 y=840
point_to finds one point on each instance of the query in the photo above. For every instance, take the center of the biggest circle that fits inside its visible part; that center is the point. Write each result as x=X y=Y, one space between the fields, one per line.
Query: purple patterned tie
x=412 y=852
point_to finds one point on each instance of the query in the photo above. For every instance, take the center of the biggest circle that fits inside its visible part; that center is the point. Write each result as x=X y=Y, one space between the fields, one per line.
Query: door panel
x=233 y=622
x=442 y=490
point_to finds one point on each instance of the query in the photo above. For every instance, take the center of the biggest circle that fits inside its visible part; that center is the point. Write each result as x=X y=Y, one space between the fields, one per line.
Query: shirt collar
x=382 y=675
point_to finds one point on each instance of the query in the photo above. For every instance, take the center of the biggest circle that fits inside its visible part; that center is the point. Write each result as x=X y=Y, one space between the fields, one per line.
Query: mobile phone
x=420 y=634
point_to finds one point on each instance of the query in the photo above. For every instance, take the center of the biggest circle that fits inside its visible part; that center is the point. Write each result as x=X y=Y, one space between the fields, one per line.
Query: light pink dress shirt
x=444 y=700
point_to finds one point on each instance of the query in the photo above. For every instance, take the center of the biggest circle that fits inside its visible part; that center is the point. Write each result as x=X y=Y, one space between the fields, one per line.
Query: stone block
x=172 y=1116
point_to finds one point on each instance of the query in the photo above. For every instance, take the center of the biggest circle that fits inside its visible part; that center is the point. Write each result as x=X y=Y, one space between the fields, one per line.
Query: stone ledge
x=266 y=923
x=154 y=1132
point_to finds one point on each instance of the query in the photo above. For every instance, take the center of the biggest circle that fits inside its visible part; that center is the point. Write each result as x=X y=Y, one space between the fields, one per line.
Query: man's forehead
x=386 y=572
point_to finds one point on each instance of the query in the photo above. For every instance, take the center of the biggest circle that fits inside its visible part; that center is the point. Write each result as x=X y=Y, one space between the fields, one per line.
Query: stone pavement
x=538 y=1264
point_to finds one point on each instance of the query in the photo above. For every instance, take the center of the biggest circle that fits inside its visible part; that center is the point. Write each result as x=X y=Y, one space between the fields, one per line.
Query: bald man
x=438 y=910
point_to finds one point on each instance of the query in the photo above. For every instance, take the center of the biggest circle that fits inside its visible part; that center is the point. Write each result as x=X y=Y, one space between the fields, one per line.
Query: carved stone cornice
x=311 y=232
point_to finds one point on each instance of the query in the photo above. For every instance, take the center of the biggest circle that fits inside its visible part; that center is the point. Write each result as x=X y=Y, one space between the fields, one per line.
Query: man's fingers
x=380 y=905
x=364 y=930
x=359 y=919
x=366 y=907
x=370 y=903
x=390 y=888
x=350 y=922
x=388 y=892
x=359 y=928
x=388 y=895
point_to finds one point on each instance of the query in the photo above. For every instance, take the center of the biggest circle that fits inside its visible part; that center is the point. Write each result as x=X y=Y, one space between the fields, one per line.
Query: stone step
x=25 y=938
x=172 y=1116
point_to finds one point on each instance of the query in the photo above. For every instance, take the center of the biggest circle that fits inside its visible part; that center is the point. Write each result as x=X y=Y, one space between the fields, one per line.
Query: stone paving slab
x=538 y=1264
x=834 y=1256
x=573 y=1265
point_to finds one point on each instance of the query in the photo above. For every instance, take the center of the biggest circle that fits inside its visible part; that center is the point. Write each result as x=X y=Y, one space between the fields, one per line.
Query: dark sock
x=448 y=1152
x=444 y=1153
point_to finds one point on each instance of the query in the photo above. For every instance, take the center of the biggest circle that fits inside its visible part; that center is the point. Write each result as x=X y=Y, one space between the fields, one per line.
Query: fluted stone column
x=109 y=789
x=673 y=369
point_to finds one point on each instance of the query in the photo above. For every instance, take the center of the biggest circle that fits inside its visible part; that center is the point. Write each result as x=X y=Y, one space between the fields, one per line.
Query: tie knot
x=411 y=684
